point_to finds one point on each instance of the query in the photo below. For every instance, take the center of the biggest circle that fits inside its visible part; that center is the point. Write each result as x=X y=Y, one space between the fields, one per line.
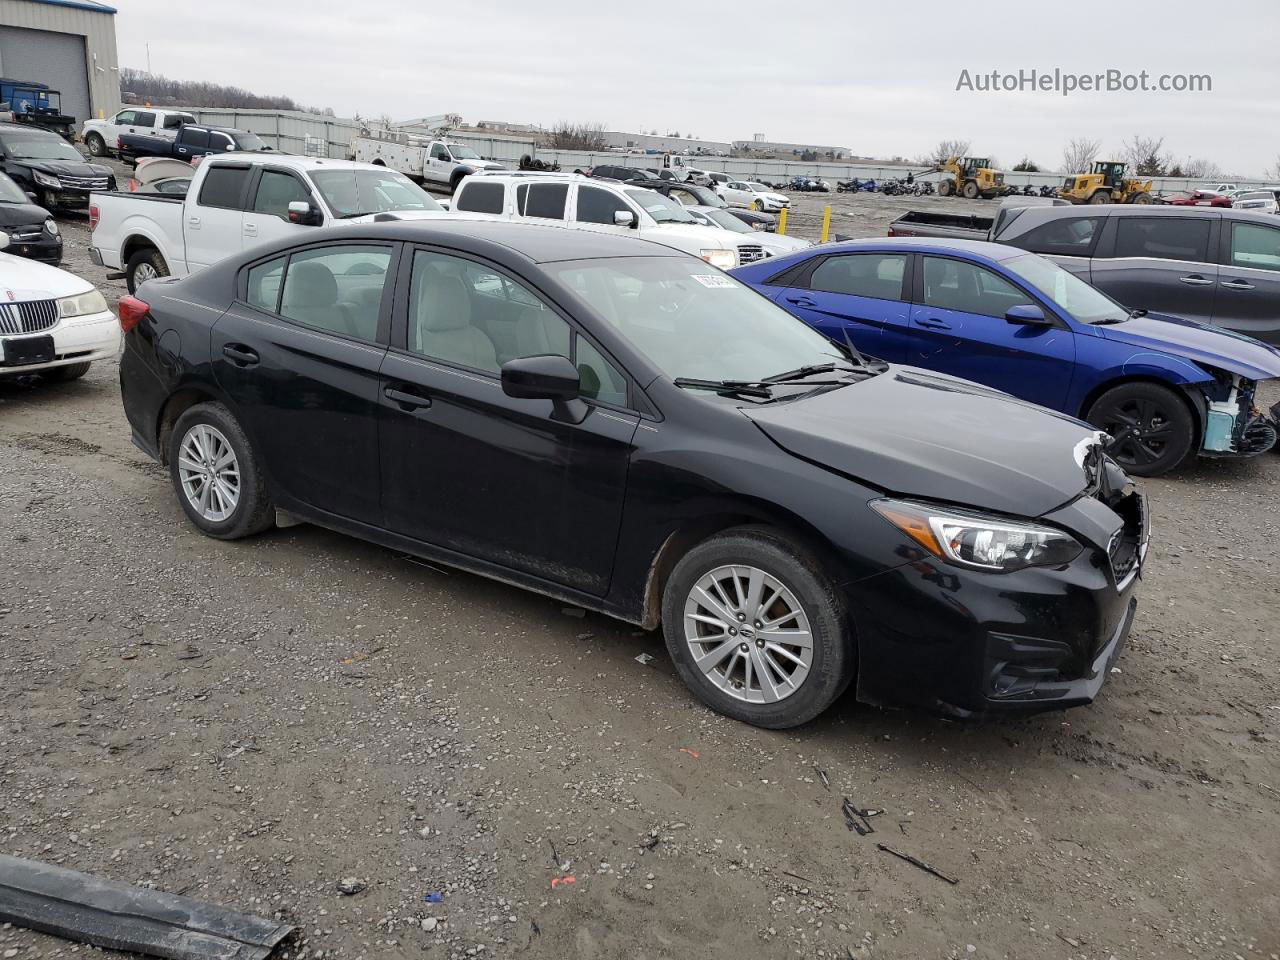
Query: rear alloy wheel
x=96 y=145
x=143 y=266
x=755 y=630
x=216 y=474
x=1153 y=426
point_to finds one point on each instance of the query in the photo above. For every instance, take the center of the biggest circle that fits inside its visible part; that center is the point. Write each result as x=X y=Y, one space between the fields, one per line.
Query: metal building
x=70 y=45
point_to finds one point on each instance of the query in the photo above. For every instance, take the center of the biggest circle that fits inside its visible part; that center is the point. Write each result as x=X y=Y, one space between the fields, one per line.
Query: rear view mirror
x=546 y=377
x=1027 y=315
x=301 y=212
x=624 y=218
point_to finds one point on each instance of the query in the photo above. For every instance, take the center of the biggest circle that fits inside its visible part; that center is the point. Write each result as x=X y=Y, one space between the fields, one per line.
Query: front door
x=958 y=327
x=595 y=209
x=213 y=221
x=861 y=294
x=466 y=467
x=1160 y=264
x=1248 y=298
x=298 y=356
x=267 y=215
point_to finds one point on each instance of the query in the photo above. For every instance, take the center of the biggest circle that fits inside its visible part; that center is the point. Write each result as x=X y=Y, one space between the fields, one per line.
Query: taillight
x=93 y=217
x=133 y=185
x=130 y=311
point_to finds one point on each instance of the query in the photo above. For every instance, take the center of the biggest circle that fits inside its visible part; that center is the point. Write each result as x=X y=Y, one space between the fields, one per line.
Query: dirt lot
x=250 y=723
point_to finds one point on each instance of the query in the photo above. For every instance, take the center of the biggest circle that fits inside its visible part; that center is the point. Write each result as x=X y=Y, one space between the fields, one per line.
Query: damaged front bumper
x=1233 y=424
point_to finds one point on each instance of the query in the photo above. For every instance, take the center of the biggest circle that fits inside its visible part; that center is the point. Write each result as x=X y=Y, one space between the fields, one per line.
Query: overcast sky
x=880 y=80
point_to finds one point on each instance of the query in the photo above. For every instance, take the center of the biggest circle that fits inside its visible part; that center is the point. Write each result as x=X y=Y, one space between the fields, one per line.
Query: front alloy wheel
x=209 y=472
x=748 y=634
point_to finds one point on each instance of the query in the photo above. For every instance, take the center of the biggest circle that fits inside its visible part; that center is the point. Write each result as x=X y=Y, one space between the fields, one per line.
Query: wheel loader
x=972 y=177
x=1105 y=183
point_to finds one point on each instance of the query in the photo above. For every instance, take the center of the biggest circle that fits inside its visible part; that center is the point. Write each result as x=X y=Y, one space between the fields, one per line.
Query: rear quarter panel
x=124 y=219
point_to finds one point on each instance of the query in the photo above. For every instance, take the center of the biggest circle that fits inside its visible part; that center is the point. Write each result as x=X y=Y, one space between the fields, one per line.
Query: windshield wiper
x=745 y=388
x=799 y=373
x=1112 y=321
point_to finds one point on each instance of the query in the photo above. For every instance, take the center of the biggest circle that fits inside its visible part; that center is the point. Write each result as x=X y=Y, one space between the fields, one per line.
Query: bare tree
x=1026 y=165
x=944 y=150
x=1144 y=155
x=1079 y=154
x=578 y=136
x=1198 y=167
x=153 y=88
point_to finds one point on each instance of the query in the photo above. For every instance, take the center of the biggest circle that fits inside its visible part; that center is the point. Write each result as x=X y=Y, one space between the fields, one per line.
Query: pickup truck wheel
x=1154 y=426
x=96 y=145
x=216 y=474
x=756 y=630
x=143 y=266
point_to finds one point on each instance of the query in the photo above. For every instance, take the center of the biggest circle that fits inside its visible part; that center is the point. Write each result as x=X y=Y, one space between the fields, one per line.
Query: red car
x=1200 y=198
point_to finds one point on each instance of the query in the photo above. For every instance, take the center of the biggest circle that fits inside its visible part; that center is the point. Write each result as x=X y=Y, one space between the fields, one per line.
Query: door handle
x=1195 y=280
x=405 y=400
x=933 y=323
x=801 y=301
x=1237 y=284
x=251 y=228
x=240 y=355
x=193 y=221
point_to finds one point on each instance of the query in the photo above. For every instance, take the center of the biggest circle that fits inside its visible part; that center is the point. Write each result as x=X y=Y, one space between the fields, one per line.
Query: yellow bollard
x=782 y=221
x=826 y=222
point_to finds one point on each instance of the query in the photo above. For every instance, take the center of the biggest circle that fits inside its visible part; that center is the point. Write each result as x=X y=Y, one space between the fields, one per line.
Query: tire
x=455 y=182
x=1141 y=198
x=1165 y=423
x=945 y=188
x=96 y=146
x=241 y=506
x=1100 y=197
x=146 y=264
x=802 y=596
x=971 y=190
x=72 y=371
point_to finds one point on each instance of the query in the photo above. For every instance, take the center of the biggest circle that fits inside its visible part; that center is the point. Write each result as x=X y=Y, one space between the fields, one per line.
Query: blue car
x=1165 y=389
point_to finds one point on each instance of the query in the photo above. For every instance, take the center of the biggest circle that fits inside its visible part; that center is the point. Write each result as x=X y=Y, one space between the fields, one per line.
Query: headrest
x=310 y=284
x=444 y=305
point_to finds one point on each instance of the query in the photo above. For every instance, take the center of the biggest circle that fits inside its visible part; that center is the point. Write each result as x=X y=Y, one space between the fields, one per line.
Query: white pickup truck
x=238 y=200
x=101 y=137
x=437 y=162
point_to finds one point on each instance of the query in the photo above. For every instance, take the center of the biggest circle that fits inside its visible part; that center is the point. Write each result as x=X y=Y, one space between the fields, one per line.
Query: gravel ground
x=252 y=723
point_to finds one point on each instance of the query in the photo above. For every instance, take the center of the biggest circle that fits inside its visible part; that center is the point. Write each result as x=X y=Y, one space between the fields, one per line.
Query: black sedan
x=45 y=165
x=694 y=195
x=32 y=232
x=623 y=427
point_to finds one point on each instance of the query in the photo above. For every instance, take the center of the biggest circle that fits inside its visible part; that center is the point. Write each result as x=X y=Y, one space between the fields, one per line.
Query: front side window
x=968 y=288
x=1071 y=294
x=1069 y=236
x=599 y=206
x=480 y=197
x=220 y=141
x=876 y=275
x=337 y=289
x=544 y=200
x=276 y=190
x=1163 y=238
x=224 y=187
x=1255 y=246
x=124 y=118
x=438 y=152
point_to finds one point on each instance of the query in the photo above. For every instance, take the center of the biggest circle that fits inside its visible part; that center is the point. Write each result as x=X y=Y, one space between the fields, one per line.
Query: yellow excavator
x=971 y=177
x=1105 y=183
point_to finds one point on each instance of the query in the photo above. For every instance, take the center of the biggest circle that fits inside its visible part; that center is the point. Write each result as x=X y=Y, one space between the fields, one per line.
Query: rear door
x=213 y=219
x=958 y=327
x=1162 y=264
x=298 y=356
x=865 y=295
x=266 y=216
x=1248 y=298
x=542 y=202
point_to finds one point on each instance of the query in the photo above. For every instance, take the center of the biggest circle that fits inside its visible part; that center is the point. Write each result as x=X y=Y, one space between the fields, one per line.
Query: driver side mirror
x=1027 y=315
x=624 y=218
x=303 y=214
x=546 y=377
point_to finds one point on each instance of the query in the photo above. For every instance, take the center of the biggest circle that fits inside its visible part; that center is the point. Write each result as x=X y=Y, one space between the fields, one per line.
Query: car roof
x=979 y=249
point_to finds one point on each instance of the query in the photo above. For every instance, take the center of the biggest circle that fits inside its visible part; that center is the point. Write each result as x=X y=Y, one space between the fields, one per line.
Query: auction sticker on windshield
x=711 y=280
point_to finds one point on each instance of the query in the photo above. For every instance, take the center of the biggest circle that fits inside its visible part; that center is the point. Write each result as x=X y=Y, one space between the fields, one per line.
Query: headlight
x=46 y=180
x=51 y=227
x=758 y=225
x=82 y=305
x=977 y=541
x=724 y=259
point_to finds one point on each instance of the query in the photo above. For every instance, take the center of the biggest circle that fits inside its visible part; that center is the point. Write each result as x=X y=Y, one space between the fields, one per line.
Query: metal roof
x=91 y=5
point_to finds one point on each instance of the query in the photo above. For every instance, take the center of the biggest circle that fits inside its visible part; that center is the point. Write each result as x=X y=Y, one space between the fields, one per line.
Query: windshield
x=662 y=209
x=725 y=219
x=692 y=320
x=1073 y=295
x=250 y=141
x=37 y=145
x=706 y=196
x=10 y=192
x=463 y=153
x=353 y=193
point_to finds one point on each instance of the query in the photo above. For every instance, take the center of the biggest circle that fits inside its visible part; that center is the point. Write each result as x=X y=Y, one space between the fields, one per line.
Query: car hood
x=21 y=214
x=918 y=434
x=23 y=279
x=691 y=234
x=774 y=197
x=1201 y=342
x=482 y=164
x=780 y=245
x=68 y=168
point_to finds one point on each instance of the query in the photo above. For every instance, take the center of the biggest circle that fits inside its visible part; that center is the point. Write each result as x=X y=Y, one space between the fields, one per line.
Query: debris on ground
x=693 y=753
x=858 y=820
x=644 y=658
x=350 y=886
x=563 y=881
x=433 y=898
x=915 y=862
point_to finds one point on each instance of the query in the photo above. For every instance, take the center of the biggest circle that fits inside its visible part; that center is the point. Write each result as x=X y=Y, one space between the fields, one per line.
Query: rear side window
x=957 y=285
x=478 y=197
x=224 y=187
x=337 y=289
x=598 y=206
x=194 y=136
x=1068 y=237
x=861 y=275
x=145 y=118
x=544 y=200
x=1163 y=238
x=1255 y=246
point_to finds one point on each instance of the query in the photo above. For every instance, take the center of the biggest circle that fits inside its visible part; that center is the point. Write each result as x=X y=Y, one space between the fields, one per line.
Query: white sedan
x=744 y=193
x=52 y=322
x=774 y=244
